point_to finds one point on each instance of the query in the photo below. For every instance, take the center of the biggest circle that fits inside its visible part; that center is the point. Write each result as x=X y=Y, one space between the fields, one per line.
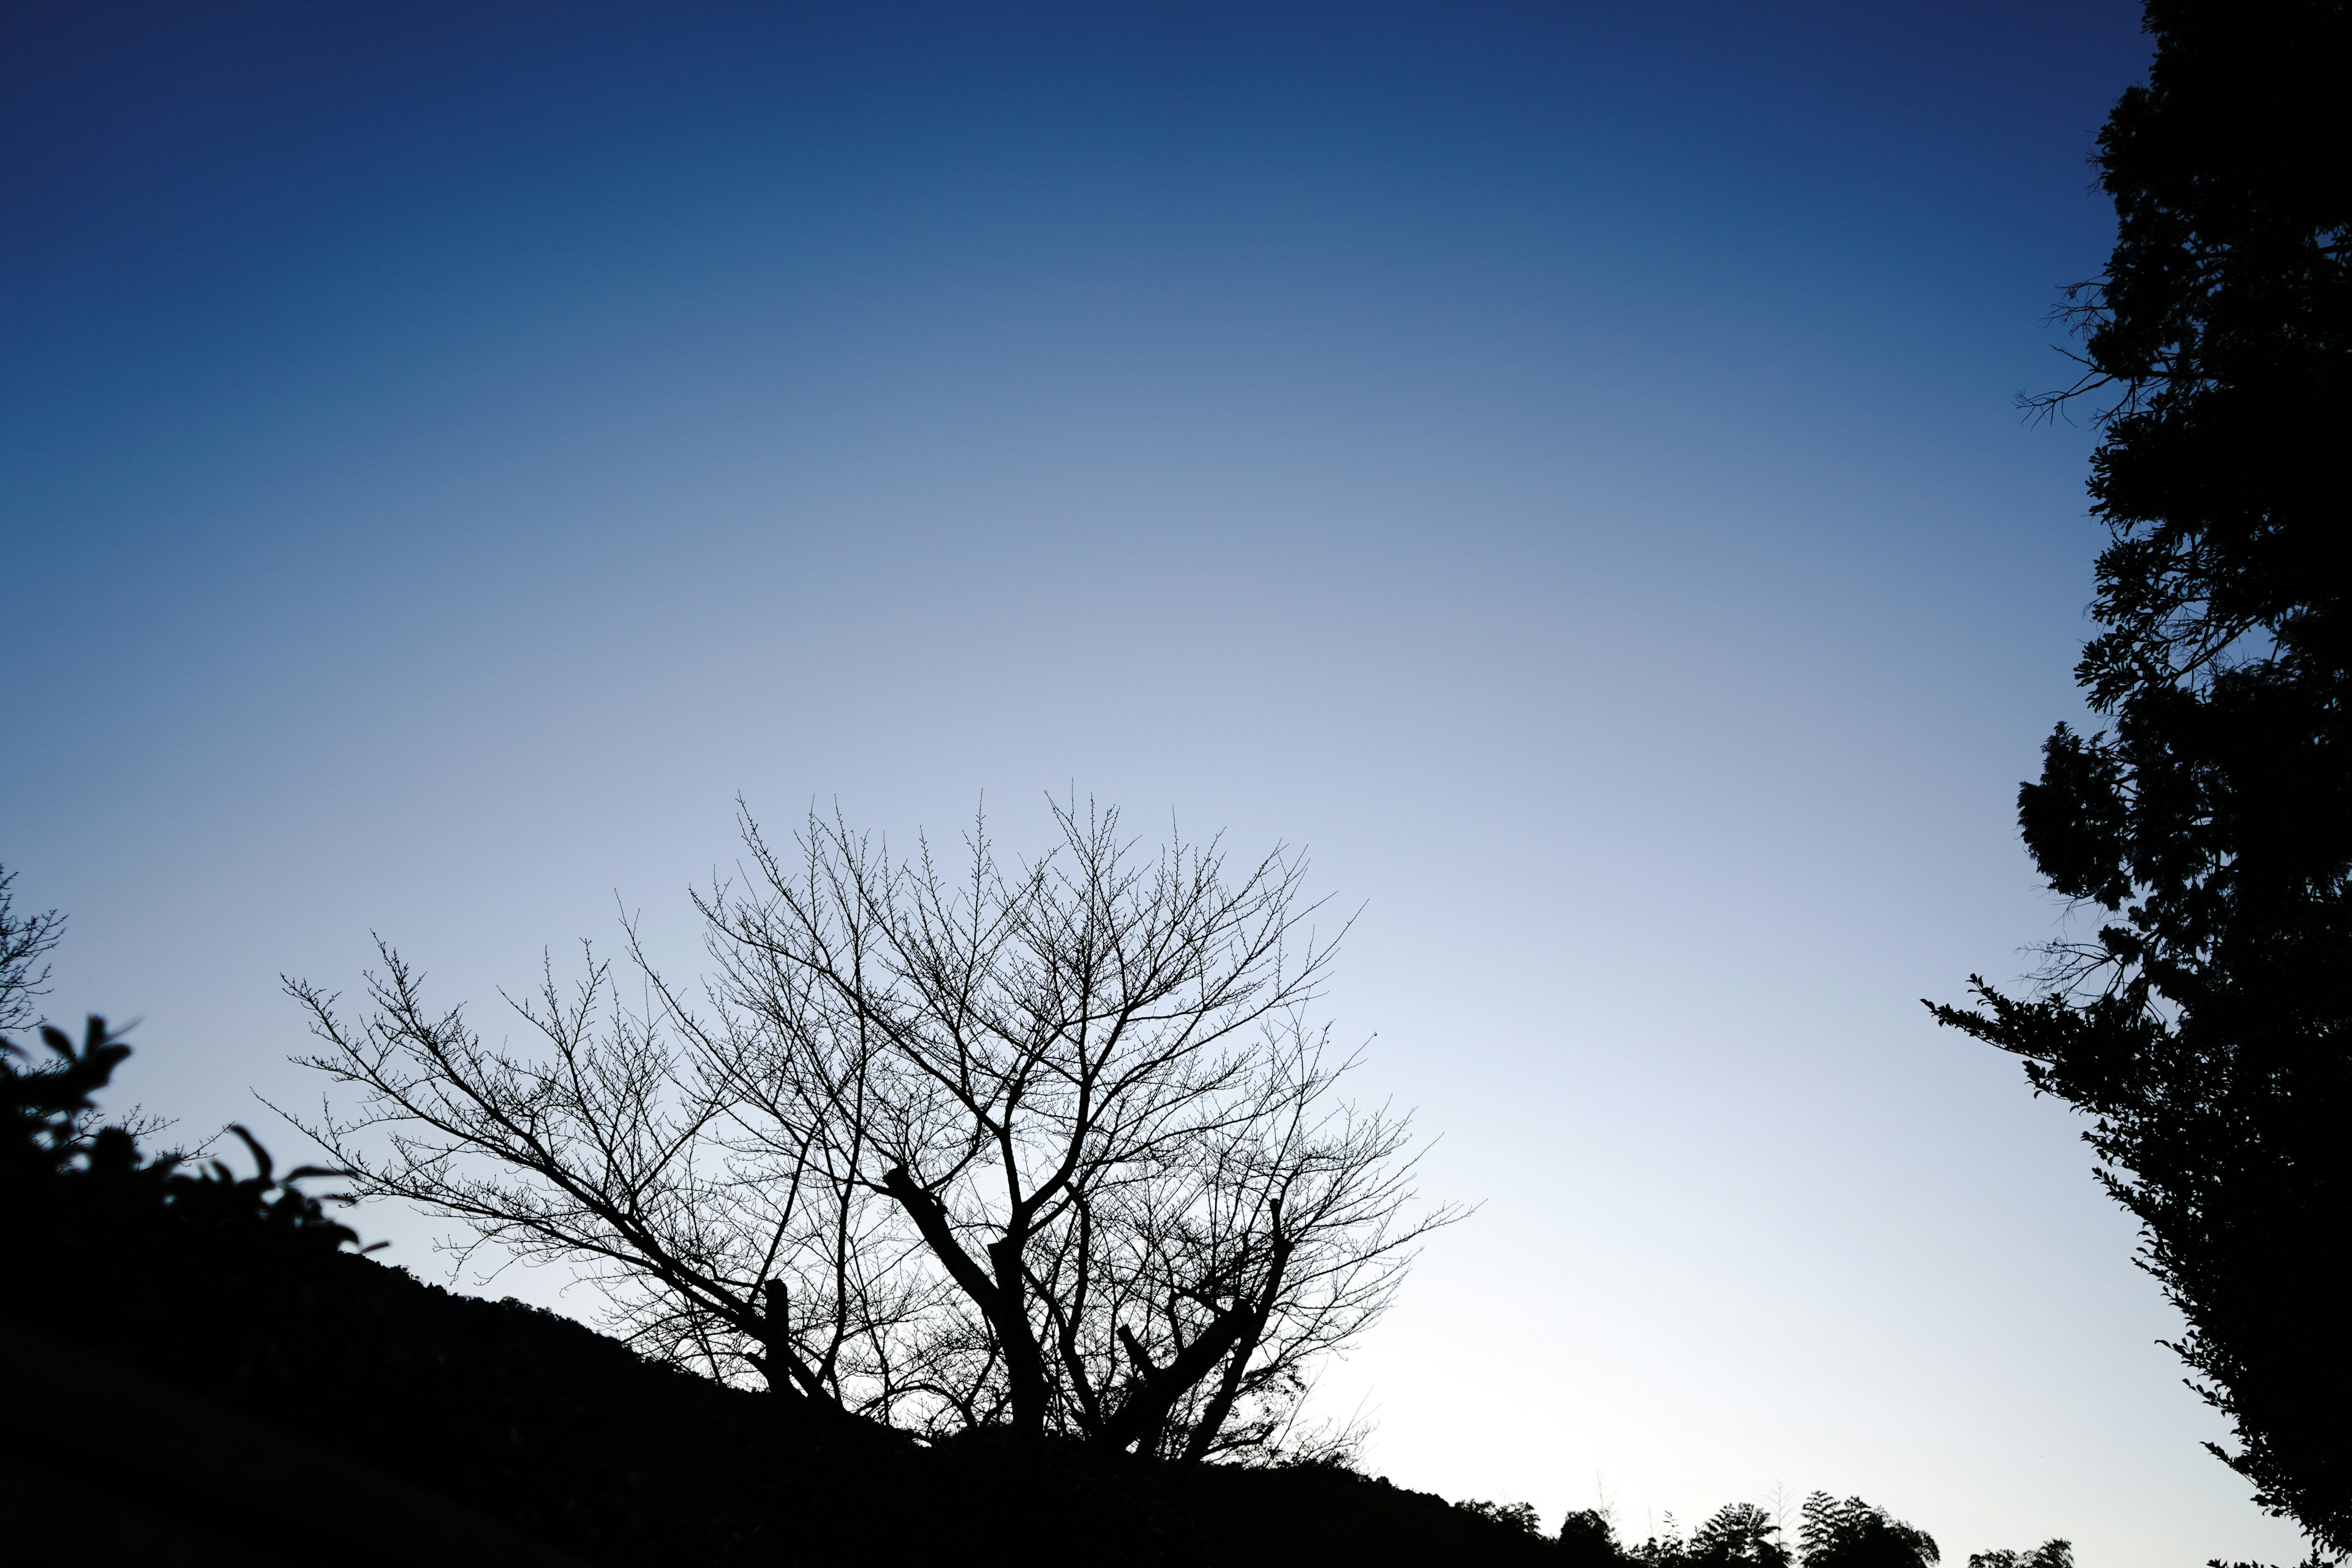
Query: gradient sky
x=1555 y=462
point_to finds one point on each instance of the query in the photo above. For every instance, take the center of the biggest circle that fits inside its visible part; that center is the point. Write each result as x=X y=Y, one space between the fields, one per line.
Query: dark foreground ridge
x=209 y=1374
x=204 y=1371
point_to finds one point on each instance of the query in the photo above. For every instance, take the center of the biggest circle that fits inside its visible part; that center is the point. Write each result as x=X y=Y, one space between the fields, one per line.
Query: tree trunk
x=1002 y=1301
x=1145 y=1414
x=1229 y=1387
x=788 y=1378
x=1025 y=1361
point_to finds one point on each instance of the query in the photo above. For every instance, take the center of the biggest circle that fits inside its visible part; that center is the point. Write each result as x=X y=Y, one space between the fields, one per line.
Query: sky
x=1555 y=463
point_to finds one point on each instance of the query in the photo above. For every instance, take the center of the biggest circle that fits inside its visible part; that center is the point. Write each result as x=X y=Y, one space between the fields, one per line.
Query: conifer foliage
x=2205 y=1028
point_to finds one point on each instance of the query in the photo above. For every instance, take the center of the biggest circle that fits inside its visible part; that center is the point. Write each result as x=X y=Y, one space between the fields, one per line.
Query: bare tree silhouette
x=25 y=943
x=1050 y=1145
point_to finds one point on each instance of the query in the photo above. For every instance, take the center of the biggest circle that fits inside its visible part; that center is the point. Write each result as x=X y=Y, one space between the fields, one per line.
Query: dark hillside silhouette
x=127 y=1468
x=188 y=1287
x=2208 y=1028
x=206 y=1368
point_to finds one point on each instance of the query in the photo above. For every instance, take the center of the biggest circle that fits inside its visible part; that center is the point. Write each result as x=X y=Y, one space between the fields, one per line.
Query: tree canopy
x=2204 y=1027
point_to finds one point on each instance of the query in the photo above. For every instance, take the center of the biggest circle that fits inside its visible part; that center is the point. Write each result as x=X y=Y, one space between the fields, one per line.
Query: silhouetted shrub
x=1518 y=1516
x=2049 y=1554
x=1586 y=1539
x=62 y=1172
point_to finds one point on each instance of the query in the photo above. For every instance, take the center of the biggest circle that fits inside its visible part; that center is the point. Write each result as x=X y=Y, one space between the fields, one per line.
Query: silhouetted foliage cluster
x=1587 y=1540
x=2049 y=1554
x=1831 y=1534
x=245 y=1290
x=78 y=1180
x=1737 y=1534
x=1852 y=1533
x=2205 y=1028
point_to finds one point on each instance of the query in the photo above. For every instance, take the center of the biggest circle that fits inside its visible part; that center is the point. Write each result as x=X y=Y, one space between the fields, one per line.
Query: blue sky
x=1555 y=462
